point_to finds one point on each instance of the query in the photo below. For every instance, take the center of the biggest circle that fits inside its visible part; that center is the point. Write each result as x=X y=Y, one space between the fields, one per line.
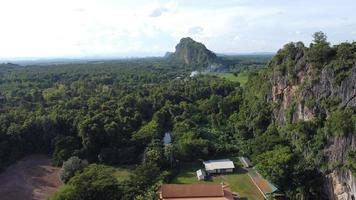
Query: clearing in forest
x=240 y=77
x=31 y=178
x=239 y=181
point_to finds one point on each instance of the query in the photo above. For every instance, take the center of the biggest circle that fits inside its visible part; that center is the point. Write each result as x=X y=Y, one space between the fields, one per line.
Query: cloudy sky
x=80 y=28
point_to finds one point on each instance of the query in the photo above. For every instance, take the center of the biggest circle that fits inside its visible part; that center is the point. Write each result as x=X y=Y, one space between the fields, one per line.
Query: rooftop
x=218 y=164
x=194 y=191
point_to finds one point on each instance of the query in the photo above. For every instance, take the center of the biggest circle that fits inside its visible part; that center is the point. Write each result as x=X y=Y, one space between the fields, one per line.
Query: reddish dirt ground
x=32 y=178
x=260 y=182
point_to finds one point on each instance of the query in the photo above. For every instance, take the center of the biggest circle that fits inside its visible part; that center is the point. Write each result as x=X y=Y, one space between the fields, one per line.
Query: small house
x=201 y=174
x=245 y=162
x=219 y=166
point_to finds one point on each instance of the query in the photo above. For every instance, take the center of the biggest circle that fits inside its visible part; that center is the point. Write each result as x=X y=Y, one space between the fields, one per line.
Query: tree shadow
x=240 y=170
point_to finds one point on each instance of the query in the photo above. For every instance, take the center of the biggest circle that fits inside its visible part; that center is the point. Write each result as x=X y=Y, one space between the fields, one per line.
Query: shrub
x=71 y=166
x=351 y=161
x=341 y=122
x=94 y=182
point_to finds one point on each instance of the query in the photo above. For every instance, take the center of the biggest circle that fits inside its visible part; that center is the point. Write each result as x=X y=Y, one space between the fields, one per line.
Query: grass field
x=241 y=77
x=122 y=173
x=187 y=174
x=239 y=181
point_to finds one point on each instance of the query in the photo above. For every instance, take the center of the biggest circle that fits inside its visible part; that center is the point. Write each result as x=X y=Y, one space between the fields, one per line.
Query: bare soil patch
x=32 y=178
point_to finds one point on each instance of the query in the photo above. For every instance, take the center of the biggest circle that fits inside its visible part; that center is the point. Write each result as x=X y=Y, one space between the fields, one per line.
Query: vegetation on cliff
x=116 y=113
x=193 y=53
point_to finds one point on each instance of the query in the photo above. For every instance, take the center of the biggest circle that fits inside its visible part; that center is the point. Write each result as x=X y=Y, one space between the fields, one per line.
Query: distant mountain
x=194 y=53
x=8 y=66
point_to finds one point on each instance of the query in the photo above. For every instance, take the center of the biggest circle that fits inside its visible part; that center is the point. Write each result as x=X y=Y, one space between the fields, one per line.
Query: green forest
x=94 y=116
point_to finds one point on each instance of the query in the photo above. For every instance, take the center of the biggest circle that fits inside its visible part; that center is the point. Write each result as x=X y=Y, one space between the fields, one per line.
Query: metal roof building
x=219 y=166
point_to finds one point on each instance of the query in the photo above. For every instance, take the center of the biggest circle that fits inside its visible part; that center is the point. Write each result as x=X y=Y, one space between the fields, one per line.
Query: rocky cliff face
x=191 y=52
x=298 y=91
x=298 y=94
x=340 y=184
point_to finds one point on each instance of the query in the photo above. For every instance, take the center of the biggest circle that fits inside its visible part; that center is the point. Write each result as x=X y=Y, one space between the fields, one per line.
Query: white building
x=219 y=166
x=201 y=174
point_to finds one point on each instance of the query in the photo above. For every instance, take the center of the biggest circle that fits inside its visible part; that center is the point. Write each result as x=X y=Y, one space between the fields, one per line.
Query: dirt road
x=32 y=178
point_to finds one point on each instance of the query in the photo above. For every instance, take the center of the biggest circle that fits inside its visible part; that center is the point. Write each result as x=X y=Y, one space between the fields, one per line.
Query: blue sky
x=81 y=28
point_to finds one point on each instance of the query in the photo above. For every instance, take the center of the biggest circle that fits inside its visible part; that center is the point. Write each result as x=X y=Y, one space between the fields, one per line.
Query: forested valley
x=94 y=116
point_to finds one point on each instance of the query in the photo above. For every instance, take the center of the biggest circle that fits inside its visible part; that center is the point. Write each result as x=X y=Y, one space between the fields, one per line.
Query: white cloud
x=158 y=12
x=195 y=30
x=42 y=28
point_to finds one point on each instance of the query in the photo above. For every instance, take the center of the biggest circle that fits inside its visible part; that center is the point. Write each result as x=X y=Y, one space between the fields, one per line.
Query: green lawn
x=239 y=181
x=122 y=173
x=241 y=77
x=187 y=174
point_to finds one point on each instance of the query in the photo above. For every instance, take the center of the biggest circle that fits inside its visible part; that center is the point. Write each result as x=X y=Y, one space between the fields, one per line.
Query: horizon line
x=114 y=57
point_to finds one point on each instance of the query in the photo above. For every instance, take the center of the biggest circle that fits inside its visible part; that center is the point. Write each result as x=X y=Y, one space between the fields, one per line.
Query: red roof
x=192 y=190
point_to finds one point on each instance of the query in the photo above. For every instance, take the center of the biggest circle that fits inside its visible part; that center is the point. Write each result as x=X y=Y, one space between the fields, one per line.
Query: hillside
x=295 y=119
x=314 y=96
x=193 y=53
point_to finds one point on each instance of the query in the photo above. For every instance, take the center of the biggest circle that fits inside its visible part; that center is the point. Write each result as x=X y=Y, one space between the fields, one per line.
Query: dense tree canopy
x=95 y=182
x=117 y=112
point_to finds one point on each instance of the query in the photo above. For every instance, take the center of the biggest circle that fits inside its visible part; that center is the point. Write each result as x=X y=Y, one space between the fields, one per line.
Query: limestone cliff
x=340 y=184
x=299 y=92
x=191 y=52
